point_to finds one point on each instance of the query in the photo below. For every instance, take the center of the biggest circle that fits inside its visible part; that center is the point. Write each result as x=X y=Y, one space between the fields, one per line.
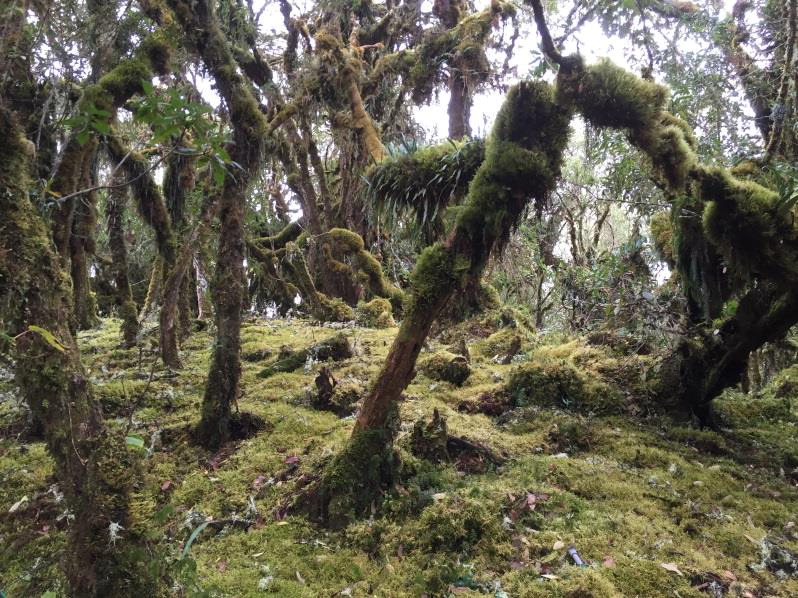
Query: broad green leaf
x=193 y=537
x=134 y=441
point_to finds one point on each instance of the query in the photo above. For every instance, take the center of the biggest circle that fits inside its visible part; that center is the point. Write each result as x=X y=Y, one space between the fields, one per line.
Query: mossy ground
x=631 y=489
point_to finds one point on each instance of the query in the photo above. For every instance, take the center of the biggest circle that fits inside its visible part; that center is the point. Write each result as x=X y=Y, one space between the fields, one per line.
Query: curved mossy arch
x=736 y=241
x=522 y=162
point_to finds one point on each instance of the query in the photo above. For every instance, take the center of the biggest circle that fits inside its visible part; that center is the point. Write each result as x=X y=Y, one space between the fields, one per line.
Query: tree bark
x=115 y=217
x=175 y=283
x=81 y=246
x=228 y=289
x=92 y=464
x=531 y=132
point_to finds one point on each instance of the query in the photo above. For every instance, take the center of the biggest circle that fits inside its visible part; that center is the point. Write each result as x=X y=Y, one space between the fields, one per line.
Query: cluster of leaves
x=188 y=125
x=783 y=178
x=89 y=121
x=423 y=183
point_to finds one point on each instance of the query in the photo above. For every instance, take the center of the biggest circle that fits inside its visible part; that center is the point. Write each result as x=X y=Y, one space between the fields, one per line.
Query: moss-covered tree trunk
x=228 y=288
x=92 y=465
x=522 y=161
x=115 y=219
x=81 y=247
x=153 y=210
x=174 y=286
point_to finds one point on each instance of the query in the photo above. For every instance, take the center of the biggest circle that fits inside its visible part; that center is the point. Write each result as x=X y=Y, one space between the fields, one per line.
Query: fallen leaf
x=299 y=578
x=672 y=568
x=608 y=562
x=167 y=486
x=558 y=545
x=729 y=575
x=16 y=506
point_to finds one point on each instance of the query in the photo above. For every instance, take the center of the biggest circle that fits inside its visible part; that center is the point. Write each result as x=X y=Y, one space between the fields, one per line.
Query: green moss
x=457 y=523
x=662 y=236
x=610 y=96
x=446 y=367
x=346 y=239
x=377 y=313
x=560 y=384
x=335 y=348
x=289 y=233
x=737 y=210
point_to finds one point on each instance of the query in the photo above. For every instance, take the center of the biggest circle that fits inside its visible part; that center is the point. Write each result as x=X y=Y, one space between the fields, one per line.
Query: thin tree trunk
x=251 y=131
x=115 y=215
x=175 y=283
x=81 y=246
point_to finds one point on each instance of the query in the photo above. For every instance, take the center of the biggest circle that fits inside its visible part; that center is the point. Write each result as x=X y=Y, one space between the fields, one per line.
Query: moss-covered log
x=92 y=464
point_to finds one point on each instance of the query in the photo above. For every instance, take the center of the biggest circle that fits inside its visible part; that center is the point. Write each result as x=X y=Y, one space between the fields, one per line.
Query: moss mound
x=377 y=313
x=631 y=489
x=446 y=367
x=336 y=348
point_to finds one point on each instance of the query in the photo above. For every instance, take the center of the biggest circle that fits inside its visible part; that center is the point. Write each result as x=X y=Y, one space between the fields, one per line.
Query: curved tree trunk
x=530 y=133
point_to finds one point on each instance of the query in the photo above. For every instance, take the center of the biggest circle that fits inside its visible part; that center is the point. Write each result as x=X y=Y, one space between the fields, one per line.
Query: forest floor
x=653 y=505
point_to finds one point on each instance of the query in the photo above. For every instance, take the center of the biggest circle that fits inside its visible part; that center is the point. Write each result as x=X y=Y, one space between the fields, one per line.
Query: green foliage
x=92 y=119
x=187 y=125
x=424 y=182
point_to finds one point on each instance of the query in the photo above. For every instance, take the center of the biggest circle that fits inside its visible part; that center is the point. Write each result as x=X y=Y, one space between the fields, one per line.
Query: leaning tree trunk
x=92 y=464
x=115 y=217
x=522 y=161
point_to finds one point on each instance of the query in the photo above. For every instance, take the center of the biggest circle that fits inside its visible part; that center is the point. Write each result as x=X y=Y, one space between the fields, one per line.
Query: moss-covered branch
x=522 y=163
x=743 y=228
x=463 y=44
x=101 y=100
x=347 y=69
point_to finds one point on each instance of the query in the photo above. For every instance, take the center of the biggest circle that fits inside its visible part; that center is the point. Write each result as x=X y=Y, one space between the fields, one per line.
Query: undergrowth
x=652 y=505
